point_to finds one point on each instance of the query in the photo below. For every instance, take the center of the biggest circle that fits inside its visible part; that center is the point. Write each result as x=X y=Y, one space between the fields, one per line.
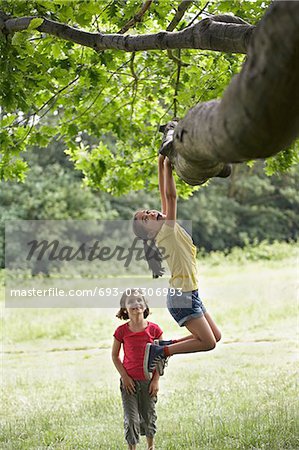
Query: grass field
x=61 y=391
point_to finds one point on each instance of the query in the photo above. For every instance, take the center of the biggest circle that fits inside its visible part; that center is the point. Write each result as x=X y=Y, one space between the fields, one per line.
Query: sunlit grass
x=241 y=396
x=61 y=390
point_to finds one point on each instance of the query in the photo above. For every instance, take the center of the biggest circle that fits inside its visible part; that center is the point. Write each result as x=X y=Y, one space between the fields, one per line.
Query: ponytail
x=153 y=257
x=152 y=253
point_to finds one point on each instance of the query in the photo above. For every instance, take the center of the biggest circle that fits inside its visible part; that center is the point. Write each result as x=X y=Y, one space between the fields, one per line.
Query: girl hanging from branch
x=160 y=229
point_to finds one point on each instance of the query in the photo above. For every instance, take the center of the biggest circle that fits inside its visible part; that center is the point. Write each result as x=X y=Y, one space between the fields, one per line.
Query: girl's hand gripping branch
x=168 y=132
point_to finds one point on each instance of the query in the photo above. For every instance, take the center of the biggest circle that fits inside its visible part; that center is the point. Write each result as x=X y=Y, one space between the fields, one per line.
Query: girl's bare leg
x=204 y=335
x=213 y=327
x=132 y=447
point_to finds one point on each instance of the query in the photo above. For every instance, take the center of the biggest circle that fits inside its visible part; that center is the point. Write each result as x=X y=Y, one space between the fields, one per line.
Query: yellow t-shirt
x=181 y=256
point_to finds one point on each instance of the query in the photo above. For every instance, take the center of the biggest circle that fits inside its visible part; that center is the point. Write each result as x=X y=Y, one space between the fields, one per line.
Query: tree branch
x=52 y=101
x=207 y=34
x=258 y=115
x=135 y=84
x=96 y=97
x=137 y=17
x=198 y=14
x=182 y=8
x=176 y=87
x=176 y=59
x=228 y=18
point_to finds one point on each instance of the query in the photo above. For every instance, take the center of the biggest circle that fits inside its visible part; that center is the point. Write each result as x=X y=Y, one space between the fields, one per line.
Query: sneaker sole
x=147 y=373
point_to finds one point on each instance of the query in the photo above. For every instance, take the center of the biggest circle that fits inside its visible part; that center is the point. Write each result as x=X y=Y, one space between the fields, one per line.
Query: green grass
x=61 y=391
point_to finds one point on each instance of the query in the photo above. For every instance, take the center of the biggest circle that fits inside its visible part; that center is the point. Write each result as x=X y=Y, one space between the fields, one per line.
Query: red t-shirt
x=134 y=347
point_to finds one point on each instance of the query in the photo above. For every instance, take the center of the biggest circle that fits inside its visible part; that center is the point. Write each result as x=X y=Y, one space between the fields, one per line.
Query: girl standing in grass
x=183 y=302
x=139 y=395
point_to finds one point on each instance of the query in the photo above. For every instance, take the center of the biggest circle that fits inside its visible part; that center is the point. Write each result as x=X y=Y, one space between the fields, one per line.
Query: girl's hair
x=122 y=313
x=152 y=253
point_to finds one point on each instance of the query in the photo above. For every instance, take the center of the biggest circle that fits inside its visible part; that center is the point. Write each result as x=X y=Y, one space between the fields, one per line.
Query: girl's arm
x=170 y=193
x=161 y=183
x=126 y=379
x=154 y=384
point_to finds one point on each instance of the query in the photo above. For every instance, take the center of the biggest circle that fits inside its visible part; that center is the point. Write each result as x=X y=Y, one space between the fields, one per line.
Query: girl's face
x=135 y=305
x=151 y=220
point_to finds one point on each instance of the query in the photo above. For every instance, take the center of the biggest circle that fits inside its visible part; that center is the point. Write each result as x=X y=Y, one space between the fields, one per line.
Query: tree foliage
x=106 y=106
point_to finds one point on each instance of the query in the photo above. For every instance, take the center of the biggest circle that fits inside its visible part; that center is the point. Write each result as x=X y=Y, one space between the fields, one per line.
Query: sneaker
x=161 y=364
x=153 y=355
x=167 y=141
x=162 y=343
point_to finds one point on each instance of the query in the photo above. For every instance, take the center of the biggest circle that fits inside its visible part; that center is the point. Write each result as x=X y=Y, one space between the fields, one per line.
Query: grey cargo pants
x=139 y=412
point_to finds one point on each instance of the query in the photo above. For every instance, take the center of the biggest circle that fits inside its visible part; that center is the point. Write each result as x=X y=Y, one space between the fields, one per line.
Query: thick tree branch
x=206 y=35
x=258 y=115
x=228 y=18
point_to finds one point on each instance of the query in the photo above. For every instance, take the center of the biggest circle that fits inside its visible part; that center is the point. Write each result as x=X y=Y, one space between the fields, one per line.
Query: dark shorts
x=139 y=412
x=184 y=306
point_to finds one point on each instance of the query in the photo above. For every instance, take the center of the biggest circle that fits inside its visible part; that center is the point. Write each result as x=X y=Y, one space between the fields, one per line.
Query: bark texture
x=258 y=115
x=208 y=34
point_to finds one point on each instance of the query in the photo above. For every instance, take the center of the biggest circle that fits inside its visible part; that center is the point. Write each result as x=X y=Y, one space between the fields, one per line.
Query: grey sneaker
x=153 y=355
x=167 y=140
x=161 y=364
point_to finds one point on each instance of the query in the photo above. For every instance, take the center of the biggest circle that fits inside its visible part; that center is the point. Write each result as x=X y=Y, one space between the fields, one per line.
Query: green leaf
x=17 y=39
x=73 y=129
x=35 y=23
x=56 y=50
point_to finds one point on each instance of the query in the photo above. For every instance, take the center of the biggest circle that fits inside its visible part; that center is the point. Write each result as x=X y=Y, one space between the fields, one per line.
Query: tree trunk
x=258 y=115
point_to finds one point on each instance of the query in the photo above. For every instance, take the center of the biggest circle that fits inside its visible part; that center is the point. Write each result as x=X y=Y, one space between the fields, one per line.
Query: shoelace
x=156 y=360
x=161 y=364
